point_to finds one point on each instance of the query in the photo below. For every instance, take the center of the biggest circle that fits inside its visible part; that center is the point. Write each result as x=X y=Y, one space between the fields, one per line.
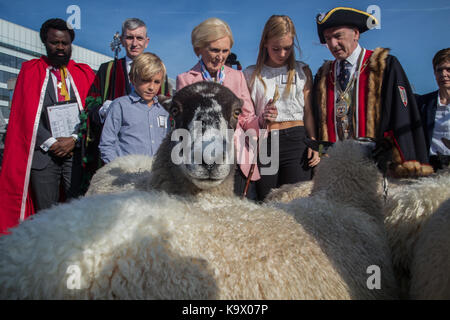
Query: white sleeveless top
x=289 y=108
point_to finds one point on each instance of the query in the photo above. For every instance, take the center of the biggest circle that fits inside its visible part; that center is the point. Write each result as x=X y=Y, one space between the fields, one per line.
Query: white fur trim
x=33 y=142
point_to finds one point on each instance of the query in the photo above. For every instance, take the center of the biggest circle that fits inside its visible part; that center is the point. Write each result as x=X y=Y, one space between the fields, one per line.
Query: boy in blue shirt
x=137 y=123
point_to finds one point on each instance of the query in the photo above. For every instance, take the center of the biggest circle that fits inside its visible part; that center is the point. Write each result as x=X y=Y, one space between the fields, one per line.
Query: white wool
x=121 y=174
x=155 y=246
x=289 y=192
x=408 y=208
x=151 y=245
x=430 y=267
x=344 y=211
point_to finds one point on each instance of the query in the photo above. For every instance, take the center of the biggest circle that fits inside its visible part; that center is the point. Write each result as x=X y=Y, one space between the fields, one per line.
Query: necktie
x=63 y=94
x=344 y=74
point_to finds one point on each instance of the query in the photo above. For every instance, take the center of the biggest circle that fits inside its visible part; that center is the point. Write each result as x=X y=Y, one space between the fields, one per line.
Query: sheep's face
x=205 y=117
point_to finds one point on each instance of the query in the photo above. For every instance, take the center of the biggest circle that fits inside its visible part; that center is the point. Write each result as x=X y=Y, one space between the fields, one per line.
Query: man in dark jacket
x=435 y=112
x=112 y=81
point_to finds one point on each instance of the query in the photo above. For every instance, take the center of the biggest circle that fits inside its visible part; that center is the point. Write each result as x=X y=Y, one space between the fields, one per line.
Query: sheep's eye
x=174 y=111
x=236 y=113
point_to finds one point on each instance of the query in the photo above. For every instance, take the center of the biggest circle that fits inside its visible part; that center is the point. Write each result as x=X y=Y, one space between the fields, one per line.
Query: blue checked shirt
x=131 y=127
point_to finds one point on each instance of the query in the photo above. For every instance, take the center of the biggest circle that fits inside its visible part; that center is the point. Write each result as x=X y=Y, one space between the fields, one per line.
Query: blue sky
x=414 y=30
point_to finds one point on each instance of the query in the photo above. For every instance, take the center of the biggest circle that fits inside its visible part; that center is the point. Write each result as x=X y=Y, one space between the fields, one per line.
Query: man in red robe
x=365 y=93
x=35 y=161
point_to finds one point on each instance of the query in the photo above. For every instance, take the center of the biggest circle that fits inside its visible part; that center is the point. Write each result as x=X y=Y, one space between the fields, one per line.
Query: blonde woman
x=212 y=41
x=278 y=76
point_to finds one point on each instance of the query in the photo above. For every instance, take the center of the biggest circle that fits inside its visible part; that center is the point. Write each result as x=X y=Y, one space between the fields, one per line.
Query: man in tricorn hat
x=366 y=93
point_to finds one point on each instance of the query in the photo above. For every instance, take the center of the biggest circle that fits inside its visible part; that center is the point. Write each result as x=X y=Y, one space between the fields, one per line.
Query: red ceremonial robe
x=15 y=201
x=385 y=107
x=361 y=85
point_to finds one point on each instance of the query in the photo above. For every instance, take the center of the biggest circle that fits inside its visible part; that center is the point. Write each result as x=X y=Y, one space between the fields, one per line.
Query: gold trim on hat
x=345 y=8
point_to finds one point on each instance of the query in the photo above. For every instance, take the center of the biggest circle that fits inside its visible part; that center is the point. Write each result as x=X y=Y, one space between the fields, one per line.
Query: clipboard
x=64 y=118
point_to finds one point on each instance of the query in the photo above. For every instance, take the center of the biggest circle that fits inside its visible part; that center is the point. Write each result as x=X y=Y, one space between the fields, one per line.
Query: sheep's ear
x=164 y=99
x=166 y=102
x=236 y=110
x=446 y=142
x=240 y=103
x=173 y=107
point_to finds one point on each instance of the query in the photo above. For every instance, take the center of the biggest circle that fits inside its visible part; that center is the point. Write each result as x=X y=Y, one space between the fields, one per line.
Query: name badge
x=162 y=121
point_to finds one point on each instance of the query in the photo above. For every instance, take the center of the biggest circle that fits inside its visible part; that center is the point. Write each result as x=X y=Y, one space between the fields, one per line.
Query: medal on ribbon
x=341 y=108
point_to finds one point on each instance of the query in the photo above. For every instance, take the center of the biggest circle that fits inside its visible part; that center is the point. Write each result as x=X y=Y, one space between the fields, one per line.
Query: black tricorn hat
x=342 y=16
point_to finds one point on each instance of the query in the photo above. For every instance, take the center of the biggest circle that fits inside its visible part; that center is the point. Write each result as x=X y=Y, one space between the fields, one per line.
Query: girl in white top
x=277 y=75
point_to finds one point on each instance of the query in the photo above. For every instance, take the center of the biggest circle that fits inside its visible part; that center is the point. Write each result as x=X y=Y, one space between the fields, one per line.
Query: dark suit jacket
x=427 y=104
x=99 y=87
x=41 y=158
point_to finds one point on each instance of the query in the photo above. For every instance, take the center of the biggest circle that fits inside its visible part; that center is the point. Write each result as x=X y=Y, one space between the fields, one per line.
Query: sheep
x=344 y=212
x=114 y=240
x=190 y=238
x=289 y=192
x=407 y=209
x=409 y=204
x=430 y=266
x=121 y=174
x=152 y=245
x=195 y=103
x=156 y=246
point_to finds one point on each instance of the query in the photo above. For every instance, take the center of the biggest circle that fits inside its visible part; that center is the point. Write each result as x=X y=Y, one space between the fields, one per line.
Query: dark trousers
x=293 y=161
x=45 y=183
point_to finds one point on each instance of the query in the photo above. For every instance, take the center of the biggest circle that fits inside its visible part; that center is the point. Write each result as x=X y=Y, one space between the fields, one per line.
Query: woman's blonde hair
x=276 y=27
x=210 y=30
x=145 y=66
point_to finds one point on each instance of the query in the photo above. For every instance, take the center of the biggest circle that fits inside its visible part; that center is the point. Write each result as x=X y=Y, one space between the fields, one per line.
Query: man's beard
x=58 y=61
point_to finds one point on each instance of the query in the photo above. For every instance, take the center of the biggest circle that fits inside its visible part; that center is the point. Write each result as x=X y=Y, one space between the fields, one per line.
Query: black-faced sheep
x=179 y=241
x=203 y=159
x=204 y=110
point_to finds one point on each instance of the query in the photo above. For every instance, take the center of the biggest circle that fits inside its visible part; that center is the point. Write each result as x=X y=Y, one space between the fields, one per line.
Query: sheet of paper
x=63 y=119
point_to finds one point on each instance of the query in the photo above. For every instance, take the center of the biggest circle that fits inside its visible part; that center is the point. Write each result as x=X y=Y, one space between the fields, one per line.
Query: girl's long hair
x=276 y=27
